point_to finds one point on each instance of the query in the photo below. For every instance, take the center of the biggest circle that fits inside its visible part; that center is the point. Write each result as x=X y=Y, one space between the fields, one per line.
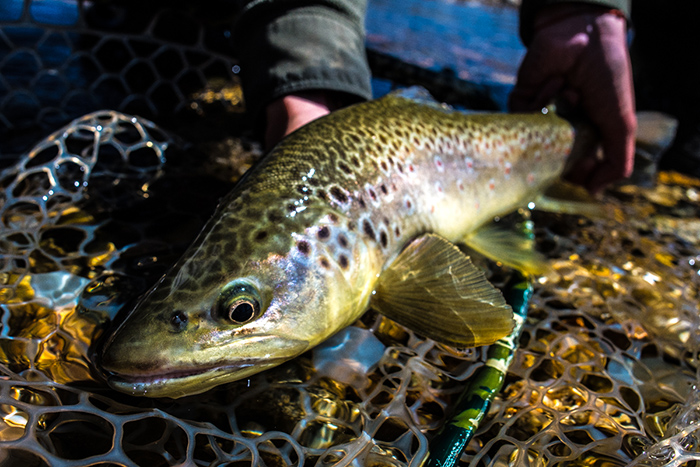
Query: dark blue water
x=44 y=66
x=480 y=43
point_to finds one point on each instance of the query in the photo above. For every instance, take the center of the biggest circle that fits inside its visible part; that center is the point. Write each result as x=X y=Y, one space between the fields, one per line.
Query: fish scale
x=312 y=227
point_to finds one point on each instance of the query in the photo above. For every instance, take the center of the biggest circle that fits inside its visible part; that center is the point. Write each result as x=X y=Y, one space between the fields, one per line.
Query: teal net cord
x=472 y=406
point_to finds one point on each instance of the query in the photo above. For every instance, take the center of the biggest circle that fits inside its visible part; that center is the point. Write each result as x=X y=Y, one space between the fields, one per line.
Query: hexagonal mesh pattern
x=61 y=60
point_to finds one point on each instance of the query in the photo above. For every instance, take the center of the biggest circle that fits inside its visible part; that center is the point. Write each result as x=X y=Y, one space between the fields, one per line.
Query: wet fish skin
x=307 y=232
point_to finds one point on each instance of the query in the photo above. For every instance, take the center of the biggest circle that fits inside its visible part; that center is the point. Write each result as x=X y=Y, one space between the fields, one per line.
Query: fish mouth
x=186 y=381
x=163 y=377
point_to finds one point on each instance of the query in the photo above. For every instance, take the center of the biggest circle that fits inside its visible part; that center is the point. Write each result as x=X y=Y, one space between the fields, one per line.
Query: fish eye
x=239 y=303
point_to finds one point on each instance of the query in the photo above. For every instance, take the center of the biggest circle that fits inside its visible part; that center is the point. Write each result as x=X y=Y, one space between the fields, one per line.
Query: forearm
x=286 y=47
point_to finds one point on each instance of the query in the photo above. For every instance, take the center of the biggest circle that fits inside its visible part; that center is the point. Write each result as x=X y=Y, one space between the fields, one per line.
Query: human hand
x=293 y=111
x=579 y=53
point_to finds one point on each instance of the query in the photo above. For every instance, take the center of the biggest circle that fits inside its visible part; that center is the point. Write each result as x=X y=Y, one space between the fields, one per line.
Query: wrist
x=289 y=113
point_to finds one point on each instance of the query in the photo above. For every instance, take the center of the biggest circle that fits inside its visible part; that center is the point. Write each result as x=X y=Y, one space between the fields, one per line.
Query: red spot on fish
x=531 y=178
x=492 y=185
x=411 y=168
x=432 y=209
x=460 y=185
x=508 y=169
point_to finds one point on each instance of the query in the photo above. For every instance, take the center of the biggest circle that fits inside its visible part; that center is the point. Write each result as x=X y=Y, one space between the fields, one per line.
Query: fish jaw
x=165 y=381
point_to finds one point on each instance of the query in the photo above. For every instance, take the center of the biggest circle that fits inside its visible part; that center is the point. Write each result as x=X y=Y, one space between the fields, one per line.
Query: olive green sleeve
x=529 y=8
x=285 y=46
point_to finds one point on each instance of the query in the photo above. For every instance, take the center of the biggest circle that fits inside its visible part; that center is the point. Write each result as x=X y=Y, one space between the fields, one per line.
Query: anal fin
x=512 y=248
x=566 y=198
x=434 y=289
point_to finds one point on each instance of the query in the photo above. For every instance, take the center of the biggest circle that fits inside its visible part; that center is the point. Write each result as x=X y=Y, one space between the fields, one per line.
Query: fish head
x=213 y=319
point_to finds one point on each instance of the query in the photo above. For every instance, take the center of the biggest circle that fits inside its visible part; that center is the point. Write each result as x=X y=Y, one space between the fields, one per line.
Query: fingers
x=604 y=79
x=580 y=53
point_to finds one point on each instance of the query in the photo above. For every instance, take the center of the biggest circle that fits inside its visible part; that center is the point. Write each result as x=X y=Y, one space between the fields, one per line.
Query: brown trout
x=358 y=209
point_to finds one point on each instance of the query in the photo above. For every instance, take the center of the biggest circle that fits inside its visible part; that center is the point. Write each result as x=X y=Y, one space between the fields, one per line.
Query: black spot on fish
x=261 y=235
x=291 y=208
x=344 y=167
x=304 y=247
x=351 y=226
x=399 y=166
x=274 y=216
x=384 y=166
x=390 y=160
x=355 y=161
x=368 y=229
x=343 y=261
x=343 y=241
x=324 y=233
x=339 y=194
x=324 y=263
x=361 y=202
x=383 y=239
x=322 y=194
x=333 y=218
x=397 y=231
x=409 y=205
x=383 y=188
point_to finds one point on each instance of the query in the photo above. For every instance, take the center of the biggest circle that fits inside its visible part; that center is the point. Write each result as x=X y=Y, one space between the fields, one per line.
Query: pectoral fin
x=512 y=248
x=434 y=289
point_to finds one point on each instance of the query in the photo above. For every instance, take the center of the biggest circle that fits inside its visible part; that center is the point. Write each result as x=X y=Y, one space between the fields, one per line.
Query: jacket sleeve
x=529 y=8
x=285 y=46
